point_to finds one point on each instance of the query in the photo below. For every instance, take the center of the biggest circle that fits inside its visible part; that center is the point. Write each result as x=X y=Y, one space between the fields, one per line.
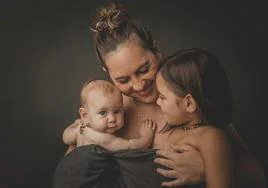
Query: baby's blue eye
x=103 y=113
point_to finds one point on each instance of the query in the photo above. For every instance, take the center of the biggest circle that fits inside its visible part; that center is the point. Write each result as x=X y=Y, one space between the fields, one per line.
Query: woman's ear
x=104 y=69
x=157 y=51
x=190 y=103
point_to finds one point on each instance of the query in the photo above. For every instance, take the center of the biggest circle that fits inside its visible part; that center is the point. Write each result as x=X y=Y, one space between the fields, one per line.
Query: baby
x=102 y=115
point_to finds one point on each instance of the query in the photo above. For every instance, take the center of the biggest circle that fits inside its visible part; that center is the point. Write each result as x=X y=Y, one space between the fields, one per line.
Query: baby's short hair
x=104 y=86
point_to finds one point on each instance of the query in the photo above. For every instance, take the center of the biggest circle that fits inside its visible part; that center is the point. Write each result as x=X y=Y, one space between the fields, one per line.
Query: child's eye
x=102 y=113
x=161 y=97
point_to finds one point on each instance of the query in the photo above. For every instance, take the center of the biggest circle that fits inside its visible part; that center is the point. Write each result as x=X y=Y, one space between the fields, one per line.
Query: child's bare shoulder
x=212 y=136
x=210 y=131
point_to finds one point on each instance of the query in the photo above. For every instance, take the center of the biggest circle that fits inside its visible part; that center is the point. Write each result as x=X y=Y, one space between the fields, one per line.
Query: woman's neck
x=139 y=104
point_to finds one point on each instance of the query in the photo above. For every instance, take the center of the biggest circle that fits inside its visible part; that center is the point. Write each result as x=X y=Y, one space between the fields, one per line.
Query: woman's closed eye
x=123 y=80
x=144 y=70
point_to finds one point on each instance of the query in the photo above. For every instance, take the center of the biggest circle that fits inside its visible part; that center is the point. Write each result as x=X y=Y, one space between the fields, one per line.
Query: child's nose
x=112 y=118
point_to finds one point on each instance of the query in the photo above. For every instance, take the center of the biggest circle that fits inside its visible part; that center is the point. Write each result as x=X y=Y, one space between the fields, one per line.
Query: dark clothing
x=93 y=167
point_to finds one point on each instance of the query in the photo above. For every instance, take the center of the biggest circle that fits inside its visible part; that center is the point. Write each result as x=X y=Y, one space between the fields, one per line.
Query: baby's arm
x=114 y=143
x=70 y=133
x=217 y=155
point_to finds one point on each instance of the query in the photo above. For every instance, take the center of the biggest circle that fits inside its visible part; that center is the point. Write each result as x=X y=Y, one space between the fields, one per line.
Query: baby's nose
x=112 y=119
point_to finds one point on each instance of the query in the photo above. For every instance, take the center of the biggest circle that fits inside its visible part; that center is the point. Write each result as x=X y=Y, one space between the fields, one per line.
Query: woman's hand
x=185 y=165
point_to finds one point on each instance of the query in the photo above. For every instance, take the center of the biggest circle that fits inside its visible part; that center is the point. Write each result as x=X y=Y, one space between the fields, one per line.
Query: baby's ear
x=190 y=103
x=83 y=113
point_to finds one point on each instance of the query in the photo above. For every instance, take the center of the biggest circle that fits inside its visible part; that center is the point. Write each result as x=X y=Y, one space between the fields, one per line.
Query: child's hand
x=147 y=130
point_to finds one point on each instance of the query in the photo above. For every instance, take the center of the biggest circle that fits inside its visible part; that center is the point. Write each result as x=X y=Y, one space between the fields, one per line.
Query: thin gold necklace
x=186 y=127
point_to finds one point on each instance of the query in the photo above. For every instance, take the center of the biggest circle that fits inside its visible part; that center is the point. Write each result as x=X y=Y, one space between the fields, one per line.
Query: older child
x=195 y=97
x=102 y=116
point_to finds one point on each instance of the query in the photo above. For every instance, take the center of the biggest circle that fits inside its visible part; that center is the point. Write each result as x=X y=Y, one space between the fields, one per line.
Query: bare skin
x=133 y=80
x=112 y=142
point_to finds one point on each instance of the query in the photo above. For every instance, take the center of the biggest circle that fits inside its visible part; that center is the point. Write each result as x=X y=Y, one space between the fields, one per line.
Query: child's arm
x=216 y=151
x=70 y=133
x=114 y=143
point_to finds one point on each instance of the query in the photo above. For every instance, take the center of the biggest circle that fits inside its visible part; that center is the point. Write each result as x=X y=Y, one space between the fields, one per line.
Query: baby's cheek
x=102 y=125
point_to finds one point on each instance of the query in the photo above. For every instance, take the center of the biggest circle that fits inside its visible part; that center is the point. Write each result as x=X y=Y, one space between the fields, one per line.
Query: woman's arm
x=70 y=133
x=185 y=165
x=216 y=152
x=249 y=172
x=70 y=148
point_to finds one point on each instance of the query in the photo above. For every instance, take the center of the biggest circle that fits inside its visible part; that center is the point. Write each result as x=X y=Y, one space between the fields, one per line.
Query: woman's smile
x=147 y=91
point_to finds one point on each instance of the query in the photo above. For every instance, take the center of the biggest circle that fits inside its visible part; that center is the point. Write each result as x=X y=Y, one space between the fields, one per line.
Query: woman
x=131 y=58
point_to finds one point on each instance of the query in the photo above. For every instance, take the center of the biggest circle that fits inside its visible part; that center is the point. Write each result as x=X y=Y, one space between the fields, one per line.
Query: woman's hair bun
x=109 y=18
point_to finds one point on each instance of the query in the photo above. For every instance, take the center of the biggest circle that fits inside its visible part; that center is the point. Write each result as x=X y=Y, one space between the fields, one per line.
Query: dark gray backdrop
x=47 y=53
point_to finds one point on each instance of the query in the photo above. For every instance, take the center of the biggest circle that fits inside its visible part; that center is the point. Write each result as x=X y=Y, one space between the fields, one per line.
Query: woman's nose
x=138 y=85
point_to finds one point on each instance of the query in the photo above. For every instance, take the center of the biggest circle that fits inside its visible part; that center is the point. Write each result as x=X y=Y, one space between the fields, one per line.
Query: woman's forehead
x=127 y=58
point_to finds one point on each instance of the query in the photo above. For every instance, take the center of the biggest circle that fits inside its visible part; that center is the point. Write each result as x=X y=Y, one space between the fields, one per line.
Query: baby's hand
x=147 y=130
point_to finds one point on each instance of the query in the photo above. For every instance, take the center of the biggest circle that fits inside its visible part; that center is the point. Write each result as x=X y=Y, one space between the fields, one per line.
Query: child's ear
x=83 y=114
x=190 y=103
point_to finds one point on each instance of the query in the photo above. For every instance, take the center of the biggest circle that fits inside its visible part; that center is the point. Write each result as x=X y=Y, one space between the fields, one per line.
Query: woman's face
x=171 y=105
x=133 y=70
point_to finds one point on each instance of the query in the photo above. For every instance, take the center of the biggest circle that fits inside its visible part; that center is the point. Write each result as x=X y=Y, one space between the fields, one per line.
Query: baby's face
x=105 y=113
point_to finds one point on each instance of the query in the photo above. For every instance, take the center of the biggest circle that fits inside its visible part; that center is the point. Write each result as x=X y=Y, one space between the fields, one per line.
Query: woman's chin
x=148 y=99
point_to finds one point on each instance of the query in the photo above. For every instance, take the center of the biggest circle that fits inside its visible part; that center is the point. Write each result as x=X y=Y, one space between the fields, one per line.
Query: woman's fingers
x=165 y=162
x=173 y=183
x=167 y=173
x=180 y=148
x=165 y=153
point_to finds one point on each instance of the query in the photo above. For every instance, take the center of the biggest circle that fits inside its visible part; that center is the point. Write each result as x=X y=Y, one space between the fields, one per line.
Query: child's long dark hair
x=199 y=73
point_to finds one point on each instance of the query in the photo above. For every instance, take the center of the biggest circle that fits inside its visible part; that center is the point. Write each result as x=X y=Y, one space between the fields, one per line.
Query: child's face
x=105 y=113
x=171 y=105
